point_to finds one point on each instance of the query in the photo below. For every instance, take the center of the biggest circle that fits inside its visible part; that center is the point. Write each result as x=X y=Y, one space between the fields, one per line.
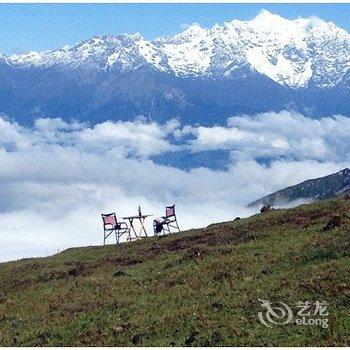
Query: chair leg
x=154 y=229
x=118 y=235
x=167 y=229
x=129 y=236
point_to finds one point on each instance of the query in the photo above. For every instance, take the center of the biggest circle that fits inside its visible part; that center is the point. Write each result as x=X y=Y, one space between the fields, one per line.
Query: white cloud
x=285 y=134
x=138 y=138
x=57 y=177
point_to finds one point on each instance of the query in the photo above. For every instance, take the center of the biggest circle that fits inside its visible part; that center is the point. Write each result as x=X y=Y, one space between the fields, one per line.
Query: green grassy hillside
x=199 y=287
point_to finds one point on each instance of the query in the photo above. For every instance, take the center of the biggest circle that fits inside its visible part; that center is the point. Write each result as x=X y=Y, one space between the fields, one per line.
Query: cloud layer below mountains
x=57 y=177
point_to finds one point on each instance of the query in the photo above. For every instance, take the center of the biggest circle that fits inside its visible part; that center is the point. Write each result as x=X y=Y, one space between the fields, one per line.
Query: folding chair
x=166 y=223
x=111 y=225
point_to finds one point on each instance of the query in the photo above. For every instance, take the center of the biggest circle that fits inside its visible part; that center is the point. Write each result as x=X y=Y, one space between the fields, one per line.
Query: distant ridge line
x=328 y=186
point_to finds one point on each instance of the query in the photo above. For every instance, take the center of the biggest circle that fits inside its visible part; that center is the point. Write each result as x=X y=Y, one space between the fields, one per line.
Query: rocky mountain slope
x=196 y=288
x=268 y=63
x=329 y=186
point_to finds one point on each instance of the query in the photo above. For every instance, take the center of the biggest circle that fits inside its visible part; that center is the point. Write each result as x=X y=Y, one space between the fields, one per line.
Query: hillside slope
x=199 y=287
x=334 y=185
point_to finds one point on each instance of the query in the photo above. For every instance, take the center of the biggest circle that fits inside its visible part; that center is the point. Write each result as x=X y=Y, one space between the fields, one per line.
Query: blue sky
x=49 y=26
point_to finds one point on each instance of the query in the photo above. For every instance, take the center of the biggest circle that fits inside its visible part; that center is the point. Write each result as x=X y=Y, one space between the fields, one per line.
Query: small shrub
x=265 y=208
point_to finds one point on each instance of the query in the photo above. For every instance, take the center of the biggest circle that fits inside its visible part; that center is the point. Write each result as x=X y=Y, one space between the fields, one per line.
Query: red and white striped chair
x=166 y=224
x=110 y=225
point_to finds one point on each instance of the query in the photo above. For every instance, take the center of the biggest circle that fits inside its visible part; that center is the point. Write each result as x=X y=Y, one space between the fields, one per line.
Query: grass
x=196 y=288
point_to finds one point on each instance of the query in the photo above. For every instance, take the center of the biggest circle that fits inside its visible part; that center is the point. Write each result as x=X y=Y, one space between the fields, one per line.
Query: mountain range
x=199 y=75
x=329 y=186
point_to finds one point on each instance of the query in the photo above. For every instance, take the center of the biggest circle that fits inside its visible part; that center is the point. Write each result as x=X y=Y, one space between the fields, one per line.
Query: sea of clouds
x=57 y=177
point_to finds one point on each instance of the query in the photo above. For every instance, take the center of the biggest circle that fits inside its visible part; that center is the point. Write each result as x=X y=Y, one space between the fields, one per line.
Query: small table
x=141 y=219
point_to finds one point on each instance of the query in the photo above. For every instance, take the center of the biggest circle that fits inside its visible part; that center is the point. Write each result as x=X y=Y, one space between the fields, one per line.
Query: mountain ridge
x=324 y=187
x=198 y=76
x=290 y=52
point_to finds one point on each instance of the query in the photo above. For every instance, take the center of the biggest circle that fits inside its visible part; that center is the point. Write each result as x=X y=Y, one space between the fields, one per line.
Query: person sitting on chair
x=158 y=225
x=166 y=223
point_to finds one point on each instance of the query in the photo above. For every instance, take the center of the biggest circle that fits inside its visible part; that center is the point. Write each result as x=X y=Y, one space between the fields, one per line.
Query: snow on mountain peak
x=192 y=30
x=4 y=59
x=266 y=18
x=290 y=52
x=29 y=58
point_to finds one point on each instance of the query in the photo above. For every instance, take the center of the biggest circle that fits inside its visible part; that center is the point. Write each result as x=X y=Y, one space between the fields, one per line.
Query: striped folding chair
x=111 y=225
x=166 y=224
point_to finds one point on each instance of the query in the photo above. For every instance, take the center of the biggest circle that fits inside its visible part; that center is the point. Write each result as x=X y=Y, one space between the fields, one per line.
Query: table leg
x=132 y=228
x=142 y=222
x=129 y=237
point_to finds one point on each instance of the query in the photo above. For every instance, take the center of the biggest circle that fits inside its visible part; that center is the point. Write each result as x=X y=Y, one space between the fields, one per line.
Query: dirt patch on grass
x=3 y=297
x=335 y=221
x=120 y=261
x=121 y=273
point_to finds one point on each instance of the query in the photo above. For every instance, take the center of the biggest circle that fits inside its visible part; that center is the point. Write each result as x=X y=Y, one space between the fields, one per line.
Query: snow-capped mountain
x=123 y=52
x=199 y=75
x=292 y=53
